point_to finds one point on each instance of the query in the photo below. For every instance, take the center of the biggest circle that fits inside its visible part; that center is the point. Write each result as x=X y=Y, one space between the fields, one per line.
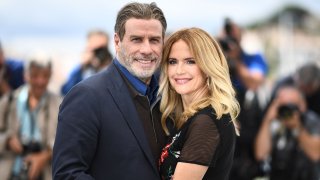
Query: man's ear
x=117 y=42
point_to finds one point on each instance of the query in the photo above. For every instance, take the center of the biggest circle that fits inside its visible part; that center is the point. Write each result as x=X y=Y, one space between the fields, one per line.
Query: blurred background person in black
x=307 y=80
x=248 y=72
x=289 y=138
x=28 y=120
x=95 y=58
x=11 y=73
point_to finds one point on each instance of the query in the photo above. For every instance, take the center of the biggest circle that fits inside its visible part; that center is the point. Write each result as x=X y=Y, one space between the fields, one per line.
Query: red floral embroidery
x=164 y=153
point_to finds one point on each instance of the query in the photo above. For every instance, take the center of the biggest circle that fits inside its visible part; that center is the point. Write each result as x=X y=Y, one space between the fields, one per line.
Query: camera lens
x=286 y=111
x=102 y=54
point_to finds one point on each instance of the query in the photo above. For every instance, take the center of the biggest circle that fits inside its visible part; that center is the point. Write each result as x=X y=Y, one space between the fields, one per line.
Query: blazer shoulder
x=108 y=78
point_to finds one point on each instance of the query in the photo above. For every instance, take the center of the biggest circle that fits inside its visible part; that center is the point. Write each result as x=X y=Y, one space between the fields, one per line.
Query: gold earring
x=208 y=82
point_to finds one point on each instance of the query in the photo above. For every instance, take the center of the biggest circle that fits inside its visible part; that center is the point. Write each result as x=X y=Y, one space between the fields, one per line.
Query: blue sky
x=59 y=27
x=74 y=18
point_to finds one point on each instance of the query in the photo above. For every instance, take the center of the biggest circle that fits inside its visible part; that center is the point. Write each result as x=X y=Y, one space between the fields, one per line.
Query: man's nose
x=145 y=48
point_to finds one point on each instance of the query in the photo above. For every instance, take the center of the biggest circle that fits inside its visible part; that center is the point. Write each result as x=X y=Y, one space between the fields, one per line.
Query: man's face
x=291 y=96
x=287 y=96
x=38 y=79
x=141 y=48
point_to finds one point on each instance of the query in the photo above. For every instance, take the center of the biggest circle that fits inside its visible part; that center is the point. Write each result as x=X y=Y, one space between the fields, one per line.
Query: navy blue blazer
x=99 y=134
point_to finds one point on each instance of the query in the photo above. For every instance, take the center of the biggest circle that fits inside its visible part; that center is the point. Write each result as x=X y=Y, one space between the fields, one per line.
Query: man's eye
x=136 y=39
x=155 y=40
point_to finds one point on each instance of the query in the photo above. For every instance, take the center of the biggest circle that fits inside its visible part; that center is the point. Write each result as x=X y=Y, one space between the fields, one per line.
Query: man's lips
x=145 y=61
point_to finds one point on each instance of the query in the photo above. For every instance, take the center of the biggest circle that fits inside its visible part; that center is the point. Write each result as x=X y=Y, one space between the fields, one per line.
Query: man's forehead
x=289 y=95
x=152 y=27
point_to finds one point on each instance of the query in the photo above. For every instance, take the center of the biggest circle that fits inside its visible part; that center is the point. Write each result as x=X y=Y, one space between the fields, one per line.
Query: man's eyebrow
x=135 y=36
x=156 y=37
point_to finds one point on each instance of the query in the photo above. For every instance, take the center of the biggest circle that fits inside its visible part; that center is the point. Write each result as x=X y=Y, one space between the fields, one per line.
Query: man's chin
x=145 y=76
x=147 y=66
x=39 y=93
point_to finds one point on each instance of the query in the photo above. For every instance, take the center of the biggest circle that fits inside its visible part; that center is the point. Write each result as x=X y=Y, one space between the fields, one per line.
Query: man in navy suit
x=109 y=124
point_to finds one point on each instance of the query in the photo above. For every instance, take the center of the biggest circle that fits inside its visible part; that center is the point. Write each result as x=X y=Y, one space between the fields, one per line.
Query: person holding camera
x=290 y=137
x=247 y=71
x=307 y=79
x=95 y=58
x=28 y=119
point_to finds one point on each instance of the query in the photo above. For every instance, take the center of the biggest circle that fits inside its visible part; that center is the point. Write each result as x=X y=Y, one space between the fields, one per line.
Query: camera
x=102 y=54
x=31 y=147
x=225 y=46
x=287 y=110
x=226 y=43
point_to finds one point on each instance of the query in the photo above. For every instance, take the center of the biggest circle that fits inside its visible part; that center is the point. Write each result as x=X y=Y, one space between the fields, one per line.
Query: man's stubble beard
x=128 y=62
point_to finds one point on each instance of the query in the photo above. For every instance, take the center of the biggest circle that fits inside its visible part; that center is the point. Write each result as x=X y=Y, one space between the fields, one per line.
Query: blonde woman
x=199 y=108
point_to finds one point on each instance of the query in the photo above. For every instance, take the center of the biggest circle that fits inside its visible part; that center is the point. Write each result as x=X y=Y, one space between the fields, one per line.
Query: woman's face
x=185 y=76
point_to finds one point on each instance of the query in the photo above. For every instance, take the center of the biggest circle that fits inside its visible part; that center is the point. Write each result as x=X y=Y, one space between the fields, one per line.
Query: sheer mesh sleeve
x=201 y=143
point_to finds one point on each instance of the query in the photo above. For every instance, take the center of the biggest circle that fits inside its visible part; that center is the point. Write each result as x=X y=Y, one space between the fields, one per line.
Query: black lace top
x=202 y=140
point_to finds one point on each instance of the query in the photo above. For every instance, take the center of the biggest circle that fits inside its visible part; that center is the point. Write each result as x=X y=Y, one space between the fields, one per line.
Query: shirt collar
x=138 y=85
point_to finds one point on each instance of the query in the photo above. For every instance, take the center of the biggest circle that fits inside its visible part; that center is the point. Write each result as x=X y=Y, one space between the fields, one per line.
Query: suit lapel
x=126 y=105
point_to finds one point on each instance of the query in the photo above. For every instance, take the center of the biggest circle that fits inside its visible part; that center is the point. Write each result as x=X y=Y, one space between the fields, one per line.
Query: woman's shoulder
x=208 y=113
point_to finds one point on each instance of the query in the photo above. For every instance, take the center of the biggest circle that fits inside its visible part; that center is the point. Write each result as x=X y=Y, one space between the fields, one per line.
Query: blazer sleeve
x=77 y=134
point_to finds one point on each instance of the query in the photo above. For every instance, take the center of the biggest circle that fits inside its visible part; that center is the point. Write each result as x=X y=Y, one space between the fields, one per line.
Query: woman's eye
x=191 y=61
x=172 y=61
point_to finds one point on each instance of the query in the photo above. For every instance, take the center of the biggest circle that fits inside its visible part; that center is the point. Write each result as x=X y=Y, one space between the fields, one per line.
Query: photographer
x=95 y=57
x=307 y=79
x=248 y=72
x=290 y=137
x=28 y=120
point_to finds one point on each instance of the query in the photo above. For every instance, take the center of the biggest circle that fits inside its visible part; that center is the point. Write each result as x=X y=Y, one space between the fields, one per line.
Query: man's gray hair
x=139 y=11
x=308 y=74
x=39 y=60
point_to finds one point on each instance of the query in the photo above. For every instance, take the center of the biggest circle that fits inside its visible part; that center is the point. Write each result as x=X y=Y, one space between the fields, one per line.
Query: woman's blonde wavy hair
x=210 y=59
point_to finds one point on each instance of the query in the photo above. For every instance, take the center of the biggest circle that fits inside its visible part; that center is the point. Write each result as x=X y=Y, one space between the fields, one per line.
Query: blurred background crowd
x=272 y=50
